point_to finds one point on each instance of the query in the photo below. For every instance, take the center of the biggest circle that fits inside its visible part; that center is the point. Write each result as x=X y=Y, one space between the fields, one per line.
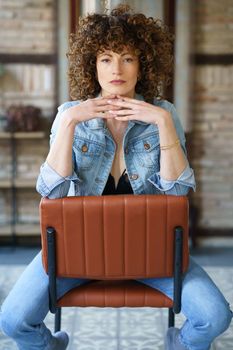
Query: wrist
x=68 y=120
x=165 y=120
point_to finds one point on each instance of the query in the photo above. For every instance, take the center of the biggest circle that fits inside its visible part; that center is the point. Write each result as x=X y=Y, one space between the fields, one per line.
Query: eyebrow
x=123 y=54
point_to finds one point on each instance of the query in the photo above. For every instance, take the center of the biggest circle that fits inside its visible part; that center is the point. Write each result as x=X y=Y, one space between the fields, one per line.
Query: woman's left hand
x=132 y=109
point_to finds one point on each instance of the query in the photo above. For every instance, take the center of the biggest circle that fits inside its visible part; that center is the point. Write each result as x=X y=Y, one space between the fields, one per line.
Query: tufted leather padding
x=114 y=239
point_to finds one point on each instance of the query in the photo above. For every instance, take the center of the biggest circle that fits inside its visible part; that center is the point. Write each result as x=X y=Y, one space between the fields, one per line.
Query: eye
x=128 y=59
x=105 y=60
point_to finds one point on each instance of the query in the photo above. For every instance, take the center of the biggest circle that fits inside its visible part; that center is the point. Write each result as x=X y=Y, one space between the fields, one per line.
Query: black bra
x=123 y=186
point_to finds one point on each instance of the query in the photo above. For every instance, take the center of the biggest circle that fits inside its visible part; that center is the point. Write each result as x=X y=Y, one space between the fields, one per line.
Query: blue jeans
x=25 y=308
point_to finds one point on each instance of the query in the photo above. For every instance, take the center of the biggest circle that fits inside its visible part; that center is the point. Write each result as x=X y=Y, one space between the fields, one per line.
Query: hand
x=91 y=108
x=131 y=109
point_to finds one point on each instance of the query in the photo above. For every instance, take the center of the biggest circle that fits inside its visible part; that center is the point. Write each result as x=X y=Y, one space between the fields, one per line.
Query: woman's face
x=117 y=73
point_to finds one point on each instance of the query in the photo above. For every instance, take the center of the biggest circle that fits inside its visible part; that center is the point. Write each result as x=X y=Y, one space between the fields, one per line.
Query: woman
x=117 y=136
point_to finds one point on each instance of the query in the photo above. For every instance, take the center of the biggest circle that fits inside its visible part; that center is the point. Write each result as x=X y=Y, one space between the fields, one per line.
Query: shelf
x=212 y=59
x=27 y=229
x=5 y=230
x=22 y=135
x=5 y=184
x=35 y=58
x=20 y=230
x=18 y=183
x=25 y=183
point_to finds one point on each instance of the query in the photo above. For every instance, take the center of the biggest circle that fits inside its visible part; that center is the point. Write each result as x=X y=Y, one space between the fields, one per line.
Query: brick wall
x=214 y=26
x=211 y=139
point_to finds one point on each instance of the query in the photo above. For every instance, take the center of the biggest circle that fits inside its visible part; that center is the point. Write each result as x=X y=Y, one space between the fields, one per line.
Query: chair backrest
x=115 y=237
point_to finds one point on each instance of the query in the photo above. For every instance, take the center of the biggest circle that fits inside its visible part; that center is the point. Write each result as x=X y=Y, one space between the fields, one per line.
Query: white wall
x=183 y=70
x=63 y=35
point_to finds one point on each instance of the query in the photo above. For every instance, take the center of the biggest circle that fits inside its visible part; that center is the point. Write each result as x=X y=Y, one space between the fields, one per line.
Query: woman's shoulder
x=163 y=104
x=158 y=102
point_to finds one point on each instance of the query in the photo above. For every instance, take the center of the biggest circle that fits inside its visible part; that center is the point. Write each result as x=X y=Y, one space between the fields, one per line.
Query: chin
x=118 y=90
x=122 y=92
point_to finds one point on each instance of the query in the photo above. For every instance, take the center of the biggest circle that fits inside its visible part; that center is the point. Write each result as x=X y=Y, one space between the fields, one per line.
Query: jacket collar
x=99 y=123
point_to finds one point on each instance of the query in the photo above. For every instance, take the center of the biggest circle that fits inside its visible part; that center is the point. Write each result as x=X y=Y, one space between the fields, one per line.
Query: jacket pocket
x=146 y=151
x=87 y=153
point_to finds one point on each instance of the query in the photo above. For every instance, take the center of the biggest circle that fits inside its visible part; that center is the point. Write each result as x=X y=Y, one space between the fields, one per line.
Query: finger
x=128 y=99
x=108 y=116
x=121 y=104
x=104 y=116
x=103 y=100
x=124 y=112
x=105 y=108
x=125 y=118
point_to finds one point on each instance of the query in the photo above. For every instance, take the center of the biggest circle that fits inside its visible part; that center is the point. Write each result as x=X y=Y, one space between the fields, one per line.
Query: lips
x=117 y=82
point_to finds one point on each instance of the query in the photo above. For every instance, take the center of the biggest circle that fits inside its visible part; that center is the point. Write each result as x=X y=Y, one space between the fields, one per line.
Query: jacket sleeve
x=186 y=180
x=49 y=183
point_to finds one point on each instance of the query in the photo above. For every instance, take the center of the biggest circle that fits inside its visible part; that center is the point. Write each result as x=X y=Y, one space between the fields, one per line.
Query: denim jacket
x=93 y=154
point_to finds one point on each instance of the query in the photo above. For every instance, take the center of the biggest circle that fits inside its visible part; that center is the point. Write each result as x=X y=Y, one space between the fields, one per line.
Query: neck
x=116 y=125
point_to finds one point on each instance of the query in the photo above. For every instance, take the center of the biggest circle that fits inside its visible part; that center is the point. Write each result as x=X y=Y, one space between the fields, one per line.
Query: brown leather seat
x=113 y=240
x=115 y=294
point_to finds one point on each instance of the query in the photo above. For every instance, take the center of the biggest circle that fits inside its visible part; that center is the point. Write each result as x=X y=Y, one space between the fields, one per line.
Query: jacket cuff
x=186 y=179
x=52 y=179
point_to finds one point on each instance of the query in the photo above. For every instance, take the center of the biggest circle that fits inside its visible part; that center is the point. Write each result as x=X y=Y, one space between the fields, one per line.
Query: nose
x=117 y=67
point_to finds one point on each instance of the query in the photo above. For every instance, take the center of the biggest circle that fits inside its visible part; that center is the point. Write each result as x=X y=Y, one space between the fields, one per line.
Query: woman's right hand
x=89 y=109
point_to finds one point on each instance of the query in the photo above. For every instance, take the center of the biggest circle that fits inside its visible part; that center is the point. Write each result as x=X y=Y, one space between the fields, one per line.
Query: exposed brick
x=214 y=26
x=212 y=145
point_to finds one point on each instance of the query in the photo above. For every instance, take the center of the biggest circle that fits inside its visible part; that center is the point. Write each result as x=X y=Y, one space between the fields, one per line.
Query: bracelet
x=177 y=142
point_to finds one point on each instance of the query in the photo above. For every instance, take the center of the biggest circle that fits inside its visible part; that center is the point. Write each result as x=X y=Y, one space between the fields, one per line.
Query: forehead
x=120 y=51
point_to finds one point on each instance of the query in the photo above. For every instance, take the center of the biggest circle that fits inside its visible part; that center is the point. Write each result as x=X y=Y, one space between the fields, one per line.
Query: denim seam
x=180 y=338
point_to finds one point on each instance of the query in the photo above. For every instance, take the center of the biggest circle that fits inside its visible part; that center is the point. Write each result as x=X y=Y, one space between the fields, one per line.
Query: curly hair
x=148 y=38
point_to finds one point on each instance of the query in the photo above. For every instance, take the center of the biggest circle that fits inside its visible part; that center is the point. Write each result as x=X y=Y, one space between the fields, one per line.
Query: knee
x=219 y=319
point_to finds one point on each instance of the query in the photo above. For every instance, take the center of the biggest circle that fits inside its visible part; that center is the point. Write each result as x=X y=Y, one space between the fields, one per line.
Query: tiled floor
x=123 y=328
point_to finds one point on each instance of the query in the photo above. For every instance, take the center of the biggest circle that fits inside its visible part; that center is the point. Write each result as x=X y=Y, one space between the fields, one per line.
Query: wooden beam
x=169 y=20
x=212 y=59
x=74 y=14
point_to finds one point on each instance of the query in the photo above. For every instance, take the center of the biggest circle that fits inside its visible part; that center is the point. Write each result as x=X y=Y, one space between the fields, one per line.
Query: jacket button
x=134 y=176
x=84 y=148
x=146 y=146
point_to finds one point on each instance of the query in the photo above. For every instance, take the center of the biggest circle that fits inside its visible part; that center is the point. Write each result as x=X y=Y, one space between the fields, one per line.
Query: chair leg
x=171 y=318
x=57 y=323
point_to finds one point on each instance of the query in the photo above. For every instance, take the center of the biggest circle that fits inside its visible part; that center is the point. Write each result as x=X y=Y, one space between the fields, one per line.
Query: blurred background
x=33 y=82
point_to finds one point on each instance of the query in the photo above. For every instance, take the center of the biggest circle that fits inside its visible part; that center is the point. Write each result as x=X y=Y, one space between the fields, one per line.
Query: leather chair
x=114 y=240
